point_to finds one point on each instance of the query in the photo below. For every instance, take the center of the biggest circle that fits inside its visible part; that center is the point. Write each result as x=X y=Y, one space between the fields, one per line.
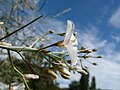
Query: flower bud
x=82 y=72
x=61 y=34
x=50 y=73
x=94 y=63
x=79 y=69
x=59 y=44
x=86 y=56
x=31 y=76
x=57 y=66
x=59 y=63
x=99 y=57
x=51 y=31
x=86 y=51
x=64 y=76
x=63 y=64
x=64 y=71
x=1 y=23
x=95 y=49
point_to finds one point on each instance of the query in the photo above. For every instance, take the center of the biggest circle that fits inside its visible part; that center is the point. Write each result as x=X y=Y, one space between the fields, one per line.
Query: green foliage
x=84 y=82
x=93 y=84
x=74 y=85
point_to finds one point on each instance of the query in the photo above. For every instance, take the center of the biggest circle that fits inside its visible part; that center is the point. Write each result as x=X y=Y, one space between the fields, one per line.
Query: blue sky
x=97 y=23
x=85 y=13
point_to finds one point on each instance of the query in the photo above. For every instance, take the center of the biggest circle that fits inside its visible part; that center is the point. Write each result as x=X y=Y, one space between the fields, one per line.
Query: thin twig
x=81 y=63
x=18 y=48
x=27 y=62
x=21 y=27
x=39 y=38
x=54 y=44
x=18 y=70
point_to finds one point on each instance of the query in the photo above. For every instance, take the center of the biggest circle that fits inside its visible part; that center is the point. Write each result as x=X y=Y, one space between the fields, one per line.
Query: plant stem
x=22 y=77
x=18 y=48
x=18 y=70
x=21 y=27
x=39 y=38
x=54 y=44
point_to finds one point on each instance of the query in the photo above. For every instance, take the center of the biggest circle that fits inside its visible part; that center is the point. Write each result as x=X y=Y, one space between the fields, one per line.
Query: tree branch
x=21 y=27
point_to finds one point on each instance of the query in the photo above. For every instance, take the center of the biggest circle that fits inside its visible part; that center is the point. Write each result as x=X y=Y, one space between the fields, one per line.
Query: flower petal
x=69 y=32
x=72 y=51
x=31 y=76
x=73 y=40
x=18 y=86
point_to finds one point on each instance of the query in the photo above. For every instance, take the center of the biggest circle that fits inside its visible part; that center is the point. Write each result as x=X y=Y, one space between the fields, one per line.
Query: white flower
x=1 y=22
x=31 y=76
x=71 y=43
x=13 y=86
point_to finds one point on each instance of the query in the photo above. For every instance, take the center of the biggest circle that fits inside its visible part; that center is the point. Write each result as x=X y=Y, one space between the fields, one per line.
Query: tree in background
x=74 y=85
x=93 y=84
x=84 y=82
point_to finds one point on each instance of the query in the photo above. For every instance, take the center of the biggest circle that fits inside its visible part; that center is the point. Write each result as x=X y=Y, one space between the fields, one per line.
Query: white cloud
x=116 y=38
x=89 y=37
x=115 y=19
x=106 y=73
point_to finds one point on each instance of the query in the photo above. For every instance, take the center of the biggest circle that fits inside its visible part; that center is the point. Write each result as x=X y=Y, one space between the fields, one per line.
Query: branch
x=18 y=70
x=18 y=48
x=21 y=27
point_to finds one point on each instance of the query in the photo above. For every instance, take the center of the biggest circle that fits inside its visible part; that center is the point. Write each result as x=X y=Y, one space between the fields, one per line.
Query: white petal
x=1 y=22
x=69 y=32
x=15 y=86
x=18 y=86
x=31 y=76
x=3 y=86
x=72 y=53
x=75 y=50
x=73 y=40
